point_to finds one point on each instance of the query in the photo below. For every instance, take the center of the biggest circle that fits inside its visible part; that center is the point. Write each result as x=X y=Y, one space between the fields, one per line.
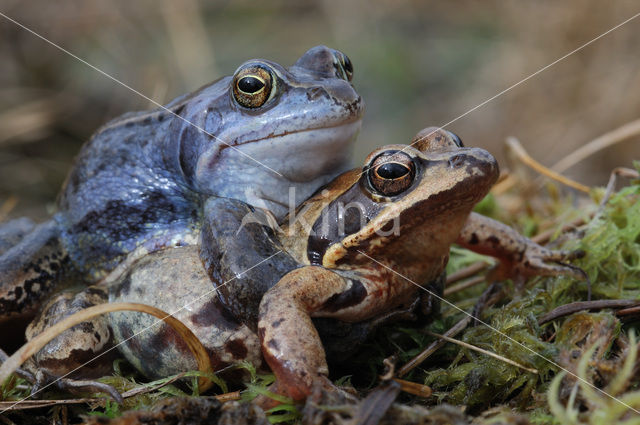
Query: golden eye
x=343 y=66
x=391 y=173
x=253 y=86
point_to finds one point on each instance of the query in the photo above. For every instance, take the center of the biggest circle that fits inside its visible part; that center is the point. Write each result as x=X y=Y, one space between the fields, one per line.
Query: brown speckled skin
x=171 y=279
x=345 y=283
x=90 y=338
x=298 y=359
x=361 y=275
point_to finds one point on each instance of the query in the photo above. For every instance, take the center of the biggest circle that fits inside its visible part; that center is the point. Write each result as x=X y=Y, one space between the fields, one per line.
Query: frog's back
x=120 y=193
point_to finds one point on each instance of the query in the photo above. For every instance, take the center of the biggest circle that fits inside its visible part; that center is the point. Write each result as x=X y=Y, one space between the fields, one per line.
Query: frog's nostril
x=457 y=160
x=317 y=92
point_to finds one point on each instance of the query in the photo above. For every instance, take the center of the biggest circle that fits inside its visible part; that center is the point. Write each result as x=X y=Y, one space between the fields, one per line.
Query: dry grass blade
x=33 y=346
x=414 y=362
x=467 y=272
x=483 y=351
x=518 y=150
x=608 y=139
x=414 y=388
x=147 y=389
x=37 y=404
x=617 y=172
x=234 y=395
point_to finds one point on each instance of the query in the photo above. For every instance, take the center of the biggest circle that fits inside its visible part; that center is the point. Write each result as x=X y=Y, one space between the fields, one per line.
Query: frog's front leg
x=242 y=255
x=519 y=256
x=290 y=343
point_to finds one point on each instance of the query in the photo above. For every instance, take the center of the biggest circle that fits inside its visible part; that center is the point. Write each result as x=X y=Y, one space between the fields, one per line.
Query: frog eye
x=391 y=173
x=456 y=139
x=343 y=66
x=253 y=86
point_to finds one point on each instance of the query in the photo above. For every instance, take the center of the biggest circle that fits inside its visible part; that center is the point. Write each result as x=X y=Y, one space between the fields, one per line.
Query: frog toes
x=74 y=385
x=540 y=267
x=539 y=261
x=42 y=380
x=562 y=255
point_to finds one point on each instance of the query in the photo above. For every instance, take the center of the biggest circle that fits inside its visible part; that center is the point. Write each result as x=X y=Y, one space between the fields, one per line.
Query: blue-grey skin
x=140 y=182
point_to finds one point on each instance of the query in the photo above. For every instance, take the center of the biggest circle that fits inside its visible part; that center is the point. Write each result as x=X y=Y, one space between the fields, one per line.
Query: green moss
x=612 y=245
x=467 y=378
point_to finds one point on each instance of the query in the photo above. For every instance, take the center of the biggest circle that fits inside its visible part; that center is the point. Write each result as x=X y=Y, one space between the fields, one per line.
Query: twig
x=628 y=311
x=565 y=310
x=433 y=347
x=467 y=272
x=619 y=171
x=414 y=388
x=464 y=285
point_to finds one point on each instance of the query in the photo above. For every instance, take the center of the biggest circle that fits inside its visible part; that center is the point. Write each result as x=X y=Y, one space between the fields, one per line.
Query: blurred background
x=417 y=63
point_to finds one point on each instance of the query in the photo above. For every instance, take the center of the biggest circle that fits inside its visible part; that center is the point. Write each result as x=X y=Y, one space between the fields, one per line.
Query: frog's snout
x=478 y=160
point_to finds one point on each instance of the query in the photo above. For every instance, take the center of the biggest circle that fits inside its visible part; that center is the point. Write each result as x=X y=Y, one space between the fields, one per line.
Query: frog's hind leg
x=30 y=268
x=78 y=355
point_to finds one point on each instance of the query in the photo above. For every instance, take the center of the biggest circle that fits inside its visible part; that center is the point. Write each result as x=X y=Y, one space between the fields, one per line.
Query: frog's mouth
x=305 y=155
x=282 y=169
x=239 y=142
